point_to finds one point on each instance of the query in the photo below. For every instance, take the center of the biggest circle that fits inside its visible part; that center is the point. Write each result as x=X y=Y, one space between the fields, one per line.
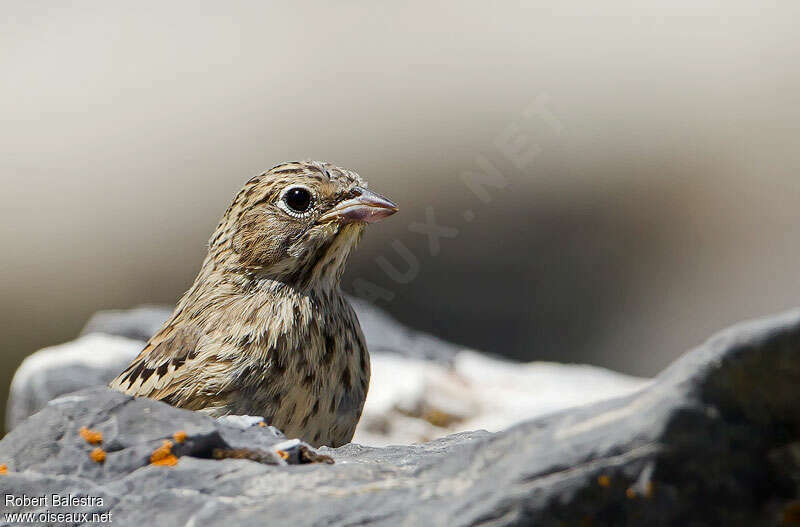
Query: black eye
x=298 y=199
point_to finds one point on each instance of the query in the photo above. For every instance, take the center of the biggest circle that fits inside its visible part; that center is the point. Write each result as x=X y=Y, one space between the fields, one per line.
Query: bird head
x=297 y=223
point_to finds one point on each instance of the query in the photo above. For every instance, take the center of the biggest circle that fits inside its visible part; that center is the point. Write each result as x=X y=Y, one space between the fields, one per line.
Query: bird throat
x=323 y=267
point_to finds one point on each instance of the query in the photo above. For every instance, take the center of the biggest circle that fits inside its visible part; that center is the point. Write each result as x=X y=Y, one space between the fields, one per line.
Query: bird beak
x=364 y=207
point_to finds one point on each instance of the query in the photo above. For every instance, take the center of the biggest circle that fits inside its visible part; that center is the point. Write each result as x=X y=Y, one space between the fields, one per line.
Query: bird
x=265 y=329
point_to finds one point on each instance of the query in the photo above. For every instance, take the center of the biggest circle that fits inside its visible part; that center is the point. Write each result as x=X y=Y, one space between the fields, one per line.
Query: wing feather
x=157 y=370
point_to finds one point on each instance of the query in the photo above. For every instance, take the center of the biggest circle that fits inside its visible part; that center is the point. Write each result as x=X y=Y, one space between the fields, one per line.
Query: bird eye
x=298 y=199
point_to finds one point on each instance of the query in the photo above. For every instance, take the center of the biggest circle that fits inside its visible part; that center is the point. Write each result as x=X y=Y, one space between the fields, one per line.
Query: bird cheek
x=256 y=247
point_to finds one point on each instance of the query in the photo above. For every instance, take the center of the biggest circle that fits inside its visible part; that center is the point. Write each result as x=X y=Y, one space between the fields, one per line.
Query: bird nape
x=264 y=329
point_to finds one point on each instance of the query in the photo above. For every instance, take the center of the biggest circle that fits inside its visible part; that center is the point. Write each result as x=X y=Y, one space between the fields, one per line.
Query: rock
x=421 y=388
x=91 y=360
x=139 y=323
x=385 y=335
x=412 y=400
x=59 y=439
x=713 y=440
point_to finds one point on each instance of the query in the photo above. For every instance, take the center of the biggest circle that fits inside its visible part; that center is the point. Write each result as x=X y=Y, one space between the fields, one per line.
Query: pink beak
x=365 y=207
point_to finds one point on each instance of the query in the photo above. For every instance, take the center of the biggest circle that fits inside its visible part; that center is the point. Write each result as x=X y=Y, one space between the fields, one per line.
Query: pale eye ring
x=296 y=200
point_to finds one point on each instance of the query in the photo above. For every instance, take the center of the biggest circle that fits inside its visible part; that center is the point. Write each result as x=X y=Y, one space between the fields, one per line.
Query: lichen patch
x=98 y=455
x=163 y=456
x=93 y=437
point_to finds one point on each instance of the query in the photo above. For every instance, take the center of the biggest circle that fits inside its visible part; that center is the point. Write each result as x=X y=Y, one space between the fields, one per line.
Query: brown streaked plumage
x=264 y=329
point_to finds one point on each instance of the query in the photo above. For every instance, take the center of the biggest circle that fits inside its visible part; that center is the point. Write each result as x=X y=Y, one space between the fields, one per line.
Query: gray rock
x=139 y=323
x=715 y=440
x=91 y=360
x=385 y=334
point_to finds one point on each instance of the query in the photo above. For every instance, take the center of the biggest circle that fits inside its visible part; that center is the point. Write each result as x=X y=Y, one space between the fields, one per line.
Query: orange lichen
x=92 y=437
x=262 y=424
x=603 y=481
x=649 y=489
x=440 y=418
x=791 y=514
x=163 y=456
x=98 y=455
x=630 y=493
x=179 y=436
x=284 y=454
x=3 y=469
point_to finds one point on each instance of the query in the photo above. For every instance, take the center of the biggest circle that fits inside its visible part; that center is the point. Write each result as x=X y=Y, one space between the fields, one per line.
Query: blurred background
x=641 y=163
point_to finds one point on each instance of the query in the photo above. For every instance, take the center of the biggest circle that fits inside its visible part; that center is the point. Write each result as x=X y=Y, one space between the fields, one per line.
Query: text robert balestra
x=52 y=500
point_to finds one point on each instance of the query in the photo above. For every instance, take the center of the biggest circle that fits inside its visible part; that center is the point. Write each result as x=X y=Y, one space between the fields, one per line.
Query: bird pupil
x=299 y=199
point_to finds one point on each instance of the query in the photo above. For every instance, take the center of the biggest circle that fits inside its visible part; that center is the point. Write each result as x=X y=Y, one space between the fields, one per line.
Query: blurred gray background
x=651 y=195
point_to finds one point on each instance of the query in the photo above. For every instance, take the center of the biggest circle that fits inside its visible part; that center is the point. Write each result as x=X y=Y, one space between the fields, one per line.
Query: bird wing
x=165 y=367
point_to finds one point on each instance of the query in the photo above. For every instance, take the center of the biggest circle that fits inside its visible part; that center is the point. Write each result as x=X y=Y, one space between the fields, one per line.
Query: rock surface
x=92 y=360
x=713 y=440
x=422 y=388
